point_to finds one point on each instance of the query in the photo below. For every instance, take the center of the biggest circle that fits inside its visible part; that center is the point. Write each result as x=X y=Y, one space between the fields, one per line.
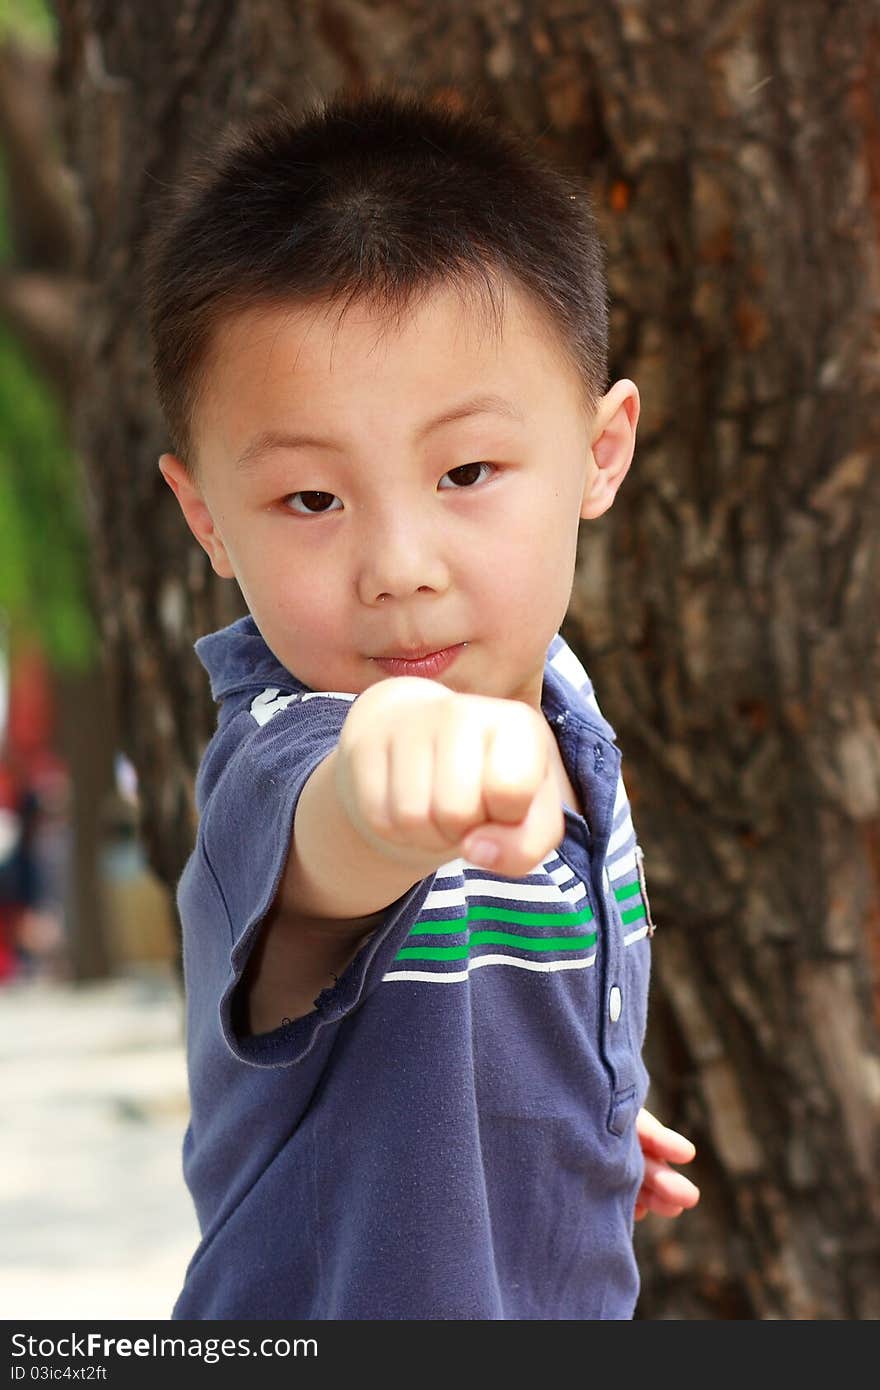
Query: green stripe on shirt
x=498 y=938
x=478 y=913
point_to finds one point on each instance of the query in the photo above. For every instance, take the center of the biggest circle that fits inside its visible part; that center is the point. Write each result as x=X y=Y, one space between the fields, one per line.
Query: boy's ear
x=198 y=517
x=613 y=443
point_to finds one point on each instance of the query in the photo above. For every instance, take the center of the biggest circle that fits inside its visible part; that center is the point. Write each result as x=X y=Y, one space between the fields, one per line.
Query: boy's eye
x=314 y=503
x=467 y=473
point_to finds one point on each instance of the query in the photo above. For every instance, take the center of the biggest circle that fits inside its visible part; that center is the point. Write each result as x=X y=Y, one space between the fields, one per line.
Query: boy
x=380 y=342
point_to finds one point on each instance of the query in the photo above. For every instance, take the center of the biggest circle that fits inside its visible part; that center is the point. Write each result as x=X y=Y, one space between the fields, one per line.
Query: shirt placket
x=598 y=762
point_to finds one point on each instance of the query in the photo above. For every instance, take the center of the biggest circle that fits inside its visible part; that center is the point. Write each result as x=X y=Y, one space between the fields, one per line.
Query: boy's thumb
x=482 y=851
x=506 y=848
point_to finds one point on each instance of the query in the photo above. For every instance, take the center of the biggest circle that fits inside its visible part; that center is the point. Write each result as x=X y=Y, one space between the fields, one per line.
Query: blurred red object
x=30 y=769
x=30 y=721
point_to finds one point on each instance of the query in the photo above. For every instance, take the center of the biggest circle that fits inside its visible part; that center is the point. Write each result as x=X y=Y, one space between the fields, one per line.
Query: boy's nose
x=401 y=560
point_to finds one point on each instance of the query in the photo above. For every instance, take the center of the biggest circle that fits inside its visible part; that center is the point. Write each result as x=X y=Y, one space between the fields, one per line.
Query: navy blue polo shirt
x=450 y=1133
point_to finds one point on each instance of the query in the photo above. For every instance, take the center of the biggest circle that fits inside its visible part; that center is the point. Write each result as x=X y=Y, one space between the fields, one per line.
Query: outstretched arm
x=663 y=1190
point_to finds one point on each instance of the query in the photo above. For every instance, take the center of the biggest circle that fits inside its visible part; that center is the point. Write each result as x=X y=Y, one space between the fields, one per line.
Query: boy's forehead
x=464 y=320
x=314 y=355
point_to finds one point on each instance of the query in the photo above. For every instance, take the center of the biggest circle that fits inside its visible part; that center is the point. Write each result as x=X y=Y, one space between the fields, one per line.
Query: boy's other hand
x=424 y=772
x=663 y=1190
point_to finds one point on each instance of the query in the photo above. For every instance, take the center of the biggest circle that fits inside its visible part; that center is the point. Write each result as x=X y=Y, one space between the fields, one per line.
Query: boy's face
x=400 y=532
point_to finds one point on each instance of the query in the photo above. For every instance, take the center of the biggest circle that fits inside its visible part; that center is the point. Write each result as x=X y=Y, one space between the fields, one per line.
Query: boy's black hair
x=374 y=196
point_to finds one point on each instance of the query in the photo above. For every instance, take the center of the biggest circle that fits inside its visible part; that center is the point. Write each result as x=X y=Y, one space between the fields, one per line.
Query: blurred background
x=94 y=1216
x=726 y=607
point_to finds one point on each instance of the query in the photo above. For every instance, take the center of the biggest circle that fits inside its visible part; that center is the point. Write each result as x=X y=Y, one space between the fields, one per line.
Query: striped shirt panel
x=543 y=922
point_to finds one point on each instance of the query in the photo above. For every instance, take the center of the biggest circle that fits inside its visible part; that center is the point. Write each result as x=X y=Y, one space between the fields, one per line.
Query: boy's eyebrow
x=490 y=404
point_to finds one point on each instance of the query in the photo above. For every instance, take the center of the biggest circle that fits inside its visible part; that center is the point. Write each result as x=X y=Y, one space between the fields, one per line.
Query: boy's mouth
x=424 y=663
x=413 y=653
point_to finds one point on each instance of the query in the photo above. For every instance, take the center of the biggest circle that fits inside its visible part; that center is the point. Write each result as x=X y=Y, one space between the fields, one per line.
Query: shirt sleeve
x=249 y=787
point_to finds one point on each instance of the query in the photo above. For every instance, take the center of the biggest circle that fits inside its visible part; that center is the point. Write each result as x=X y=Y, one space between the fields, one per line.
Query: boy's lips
x=431 y=663
x=416 y=653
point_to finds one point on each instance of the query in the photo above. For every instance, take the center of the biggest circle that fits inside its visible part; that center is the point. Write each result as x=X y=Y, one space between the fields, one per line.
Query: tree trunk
x=725 y=607
x=86 y=718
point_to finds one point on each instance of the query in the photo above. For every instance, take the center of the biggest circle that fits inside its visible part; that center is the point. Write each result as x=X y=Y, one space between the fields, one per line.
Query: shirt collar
x=237 y=658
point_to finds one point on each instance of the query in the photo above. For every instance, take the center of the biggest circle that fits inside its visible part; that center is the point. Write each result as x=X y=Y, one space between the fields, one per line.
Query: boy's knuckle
x=371 y=800
x=375 y=817
x=520 y=721
x=453 y=821
x=357 y=744
x=408 y=818
x=530 y=854
x=509 y=798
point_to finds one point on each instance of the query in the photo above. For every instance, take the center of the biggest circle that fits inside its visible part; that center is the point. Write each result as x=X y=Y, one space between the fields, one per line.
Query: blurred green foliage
x=44 y=553
x=33 y=20
x=43 y=544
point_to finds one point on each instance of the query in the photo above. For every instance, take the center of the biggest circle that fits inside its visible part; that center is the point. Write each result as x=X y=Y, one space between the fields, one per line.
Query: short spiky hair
x=378 y=197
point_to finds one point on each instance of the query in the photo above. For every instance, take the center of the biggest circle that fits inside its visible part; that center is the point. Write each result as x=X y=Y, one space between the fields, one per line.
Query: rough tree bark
x=725 y=607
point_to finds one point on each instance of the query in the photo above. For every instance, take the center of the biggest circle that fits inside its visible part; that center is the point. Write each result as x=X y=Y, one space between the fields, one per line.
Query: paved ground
x=95 y=1220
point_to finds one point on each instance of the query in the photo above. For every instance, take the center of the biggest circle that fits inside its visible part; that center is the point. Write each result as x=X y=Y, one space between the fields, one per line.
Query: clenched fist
x=421 y=768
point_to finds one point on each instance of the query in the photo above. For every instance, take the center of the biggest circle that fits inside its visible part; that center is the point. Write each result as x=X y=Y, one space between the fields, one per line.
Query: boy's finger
x=410 y=780
x=662 y=1142
x=522 y=847
x=668 y=1185
x=515 y=759
x=458 y=775
x=362 y=779
x=651 y=1202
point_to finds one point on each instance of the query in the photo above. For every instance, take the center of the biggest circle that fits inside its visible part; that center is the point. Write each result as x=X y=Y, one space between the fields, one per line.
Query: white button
x=614 y=1004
